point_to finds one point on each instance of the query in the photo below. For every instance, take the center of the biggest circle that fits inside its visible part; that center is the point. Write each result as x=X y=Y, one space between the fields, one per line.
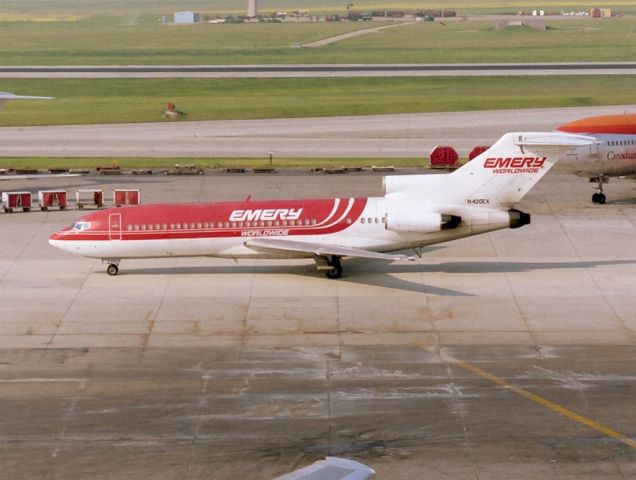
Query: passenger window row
x=212 y=225
x=372 y=220
x=621 y=143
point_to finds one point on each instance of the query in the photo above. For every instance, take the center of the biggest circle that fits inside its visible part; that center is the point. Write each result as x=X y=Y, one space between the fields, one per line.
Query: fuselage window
x=240 y=224
x=178 y=226
x=362 y=220
x=199 y=225
x=248 y=224
x=307 y=221
x=261 y=223
x=136 y=227
x=227 y=224
x=164 y=226
x=348 y=221
x=192 y=226
x=313 y=221
x=150 y=227
x=129 y=227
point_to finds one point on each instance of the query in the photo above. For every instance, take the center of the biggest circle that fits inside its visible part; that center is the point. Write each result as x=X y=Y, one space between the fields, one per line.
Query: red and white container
x=123 y=197
x=52 y=199
x=14 y=200
x=89 y=198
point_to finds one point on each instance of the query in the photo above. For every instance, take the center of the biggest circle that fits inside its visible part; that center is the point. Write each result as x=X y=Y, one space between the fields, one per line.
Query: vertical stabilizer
x=498 y=178
x=504 y=173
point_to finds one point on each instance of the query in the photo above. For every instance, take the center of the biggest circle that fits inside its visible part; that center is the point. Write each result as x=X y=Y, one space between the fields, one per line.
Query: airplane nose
x=57 y=240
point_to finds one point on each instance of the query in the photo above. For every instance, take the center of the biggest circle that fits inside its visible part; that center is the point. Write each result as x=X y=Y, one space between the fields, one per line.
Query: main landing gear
x=330 y=264
x=336 y=268
x=113 y=266
x=599 y=198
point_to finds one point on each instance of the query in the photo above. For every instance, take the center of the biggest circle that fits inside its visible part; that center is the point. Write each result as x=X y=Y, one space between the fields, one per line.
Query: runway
x=320 y=70
x=372 y=136
x=507 y=355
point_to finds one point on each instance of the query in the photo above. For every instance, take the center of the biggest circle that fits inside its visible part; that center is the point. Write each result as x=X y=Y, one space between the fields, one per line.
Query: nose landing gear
x=113 y=266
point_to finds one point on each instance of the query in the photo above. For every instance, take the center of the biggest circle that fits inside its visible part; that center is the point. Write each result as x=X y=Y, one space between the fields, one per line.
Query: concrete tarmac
x=370 y=136
x=507 y=355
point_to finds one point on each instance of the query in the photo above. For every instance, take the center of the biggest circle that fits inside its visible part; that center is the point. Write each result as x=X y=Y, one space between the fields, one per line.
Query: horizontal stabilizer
x=552 y=143
x=331 y=468
x=292 y=246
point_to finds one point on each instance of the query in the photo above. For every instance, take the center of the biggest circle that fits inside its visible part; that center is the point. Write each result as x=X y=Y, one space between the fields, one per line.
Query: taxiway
x=507 y=355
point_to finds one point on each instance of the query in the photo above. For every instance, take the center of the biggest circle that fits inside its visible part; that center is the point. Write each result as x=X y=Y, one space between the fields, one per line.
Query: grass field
x=143 y=100
x=110 y=40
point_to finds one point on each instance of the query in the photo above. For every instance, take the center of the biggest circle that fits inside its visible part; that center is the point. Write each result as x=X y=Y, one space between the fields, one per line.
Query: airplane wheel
x=601 y=198
x=112 y=269
x=334 y=272
x=595 y=198
x=336 y=269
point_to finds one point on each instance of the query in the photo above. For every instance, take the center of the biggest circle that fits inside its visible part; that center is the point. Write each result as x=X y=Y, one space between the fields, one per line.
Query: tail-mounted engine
x=518 y=218
x=420 y=222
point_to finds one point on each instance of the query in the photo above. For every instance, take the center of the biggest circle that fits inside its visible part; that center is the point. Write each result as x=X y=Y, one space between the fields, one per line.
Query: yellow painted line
x=548 y=404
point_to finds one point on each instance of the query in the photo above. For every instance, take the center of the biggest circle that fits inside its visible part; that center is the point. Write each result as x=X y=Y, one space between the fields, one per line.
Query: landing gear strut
x=335 y=268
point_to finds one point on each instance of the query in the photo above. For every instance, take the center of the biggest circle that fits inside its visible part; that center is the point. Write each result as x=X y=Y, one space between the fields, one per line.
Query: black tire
x=336 y=268
x=595 y=198
x=112 y=269
x=334 y=272
x=601 y=198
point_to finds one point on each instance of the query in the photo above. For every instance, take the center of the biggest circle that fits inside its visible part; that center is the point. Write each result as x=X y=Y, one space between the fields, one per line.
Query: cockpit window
x=81 y=226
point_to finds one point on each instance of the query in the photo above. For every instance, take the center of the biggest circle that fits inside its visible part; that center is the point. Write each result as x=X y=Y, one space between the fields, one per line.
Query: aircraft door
x=114 y=226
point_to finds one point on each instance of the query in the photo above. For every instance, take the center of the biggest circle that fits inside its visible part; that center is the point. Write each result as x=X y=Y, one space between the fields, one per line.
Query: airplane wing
x=331 y=468
x=6 y=97
x=292 y=246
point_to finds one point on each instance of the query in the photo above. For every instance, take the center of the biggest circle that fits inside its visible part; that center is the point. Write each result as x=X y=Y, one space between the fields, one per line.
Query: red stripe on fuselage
x=222 y=220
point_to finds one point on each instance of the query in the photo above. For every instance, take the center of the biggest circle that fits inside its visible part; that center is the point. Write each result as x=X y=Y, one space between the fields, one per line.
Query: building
x=252 y=8
x=186 y=17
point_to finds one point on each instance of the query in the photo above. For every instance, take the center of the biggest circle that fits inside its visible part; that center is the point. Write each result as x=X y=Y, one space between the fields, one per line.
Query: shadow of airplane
x=379 y=274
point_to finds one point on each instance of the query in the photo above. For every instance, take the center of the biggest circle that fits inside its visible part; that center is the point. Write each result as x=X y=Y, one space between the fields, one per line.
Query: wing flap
x=288 y=246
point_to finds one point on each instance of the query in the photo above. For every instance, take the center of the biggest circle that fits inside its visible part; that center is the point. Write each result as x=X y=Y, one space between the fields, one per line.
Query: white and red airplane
x=612 y=154
x=415 y=211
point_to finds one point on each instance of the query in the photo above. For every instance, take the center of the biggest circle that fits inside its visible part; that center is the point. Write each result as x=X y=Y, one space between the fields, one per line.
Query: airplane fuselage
x=222 y=229
x=614 y=155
